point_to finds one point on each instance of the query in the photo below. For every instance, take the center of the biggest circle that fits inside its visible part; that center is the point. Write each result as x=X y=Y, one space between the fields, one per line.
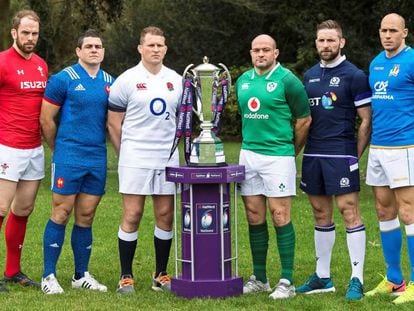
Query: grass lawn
x=104 y=263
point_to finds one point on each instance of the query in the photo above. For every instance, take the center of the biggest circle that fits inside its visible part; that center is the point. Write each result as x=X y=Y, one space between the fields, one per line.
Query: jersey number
x=158 y=107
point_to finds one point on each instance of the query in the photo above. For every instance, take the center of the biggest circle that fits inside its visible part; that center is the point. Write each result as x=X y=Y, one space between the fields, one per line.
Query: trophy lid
x=206 y=66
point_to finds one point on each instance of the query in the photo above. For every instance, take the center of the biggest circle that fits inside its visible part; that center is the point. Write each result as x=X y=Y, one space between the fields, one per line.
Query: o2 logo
x=158 y=107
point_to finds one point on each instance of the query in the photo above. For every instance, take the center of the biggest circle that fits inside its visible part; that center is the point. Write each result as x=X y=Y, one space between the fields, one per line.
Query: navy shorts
x=68 y=179
x=329 y=175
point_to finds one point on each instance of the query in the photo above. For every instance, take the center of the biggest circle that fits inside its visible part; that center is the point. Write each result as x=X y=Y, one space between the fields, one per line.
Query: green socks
x=259 y=243
x=285 y=237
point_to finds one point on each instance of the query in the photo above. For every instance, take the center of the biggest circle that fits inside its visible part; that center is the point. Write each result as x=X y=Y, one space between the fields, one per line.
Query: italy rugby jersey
x=150 y=103
x=22 y=83
x=335 y=92
x=392 y=83
x=267 y=104
x=81 y=135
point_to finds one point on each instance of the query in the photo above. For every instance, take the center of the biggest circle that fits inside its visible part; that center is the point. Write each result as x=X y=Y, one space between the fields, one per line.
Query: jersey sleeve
x=360 y=89
x=118 y=94
x=296 y=96
x=56 y=89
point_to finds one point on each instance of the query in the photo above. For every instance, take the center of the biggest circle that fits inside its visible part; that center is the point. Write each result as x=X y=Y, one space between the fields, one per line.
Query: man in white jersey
x=143 y=103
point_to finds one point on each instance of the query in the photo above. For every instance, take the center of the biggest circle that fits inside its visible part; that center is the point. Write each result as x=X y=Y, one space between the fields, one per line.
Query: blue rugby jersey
x=335 y=93
x=81 y=135
x=392 y=84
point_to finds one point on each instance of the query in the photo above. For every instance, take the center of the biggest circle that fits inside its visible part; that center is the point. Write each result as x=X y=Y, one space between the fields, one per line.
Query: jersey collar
x=333 y=65
x=268 y=74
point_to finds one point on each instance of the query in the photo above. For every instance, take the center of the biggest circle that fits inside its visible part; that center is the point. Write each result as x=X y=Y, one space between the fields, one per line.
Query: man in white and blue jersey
x=143 y=104
x=338 y=92
x=391 y=155
x=79 y=95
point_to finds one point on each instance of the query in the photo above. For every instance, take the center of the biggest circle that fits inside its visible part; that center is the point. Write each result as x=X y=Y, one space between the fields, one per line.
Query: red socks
x=14 y=233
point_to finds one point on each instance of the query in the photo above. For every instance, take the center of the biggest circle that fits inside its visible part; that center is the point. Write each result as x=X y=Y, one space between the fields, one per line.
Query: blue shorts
x=329 y=175
x=67 y=179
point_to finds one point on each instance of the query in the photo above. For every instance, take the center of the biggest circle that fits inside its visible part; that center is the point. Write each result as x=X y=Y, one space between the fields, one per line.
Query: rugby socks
x=127 y=244
x=409 y=230
x=162 y=246
x=391 y=238
x=285 y=237
x=15 y=232
x=1 y=221
x=356 y=239
x=324 y=237
x=81 y=242
x=259 y=243
x=53 y=239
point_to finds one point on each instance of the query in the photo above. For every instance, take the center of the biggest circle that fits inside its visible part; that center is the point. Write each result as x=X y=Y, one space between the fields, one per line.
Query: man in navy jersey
x=78 y=142
x=23 y=76
x=391 y=154
x=337 y=91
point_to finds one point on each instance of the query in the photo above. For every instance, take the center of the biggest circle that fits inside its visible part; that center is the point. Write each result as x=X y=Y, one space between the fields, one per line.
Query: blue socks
x=53 y=239
x=81 y=242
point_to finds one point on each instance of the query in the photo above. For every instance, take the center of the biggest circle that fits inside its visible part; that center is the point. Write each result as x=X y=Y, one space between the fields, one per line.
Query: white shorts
x=143 y=181
x=22 y=164
x=390 y=167
x=271 y=176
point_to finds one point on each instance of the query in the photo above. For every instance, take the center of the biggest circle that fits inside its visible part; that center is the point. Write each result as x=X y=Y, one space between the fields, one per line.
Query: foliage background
x=220 y=29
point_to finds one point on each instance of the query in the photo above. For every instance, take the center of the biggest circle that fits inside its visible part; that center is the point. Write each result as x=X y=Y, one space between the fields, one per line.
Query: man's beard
x=330 y=56
x=25 y=48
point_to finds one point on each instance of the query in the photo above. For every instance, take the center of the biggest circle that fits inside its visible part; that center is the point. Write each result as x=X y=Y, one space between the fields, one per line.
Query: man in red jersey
x=23 y=76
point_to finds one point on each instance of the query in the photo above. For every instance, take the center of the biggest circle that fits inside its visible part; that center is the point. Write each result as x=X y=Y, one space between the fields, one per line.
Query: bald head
x=264 y=39
x=393 y=33
x=395 y=19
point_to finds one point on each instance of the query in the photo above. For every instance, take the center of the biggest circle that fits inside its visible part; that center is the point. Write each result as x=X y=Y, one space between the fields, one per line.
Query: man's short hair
x=90 y=33
x=153 y=30
x=330 y=24
x=24 y=13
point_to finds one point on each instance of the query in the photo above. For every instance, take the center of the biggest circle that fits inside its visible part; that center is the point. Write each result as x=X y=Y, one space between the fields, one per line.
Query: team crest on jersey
x=141 y=86
x=107 y=88
x=334 y=81
x=60 y=182
x=40 y=70
x=271 y=86
x=328 y=100
x=170 y=86
x=20 y=72
x=253 y=104
x=395 y=70
x=4 y=167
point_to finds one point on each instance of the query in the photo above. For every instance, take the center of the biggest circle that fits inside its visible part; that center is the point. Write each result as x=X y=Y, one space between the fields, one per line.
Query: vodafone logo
x=253 y=104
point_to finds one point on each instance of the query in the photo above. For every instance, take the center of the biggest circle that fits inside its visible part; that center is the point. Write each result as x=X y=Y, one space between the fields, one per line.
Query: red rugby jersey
x=22 y=83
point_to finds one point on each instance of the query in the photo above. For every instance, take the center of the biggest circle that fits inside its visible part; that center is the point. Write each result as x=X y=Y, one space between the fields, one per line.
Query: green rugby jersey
x=268 y=104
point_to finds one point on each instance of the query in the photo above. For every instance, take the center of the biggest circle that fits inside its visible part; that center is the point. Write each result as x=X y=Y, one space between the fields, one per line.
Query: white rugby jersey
x=150 y=103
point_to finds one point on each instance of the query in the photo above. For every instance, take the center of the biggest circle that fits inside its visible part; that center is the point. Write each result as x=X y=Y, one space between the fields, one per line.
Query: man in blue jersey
x=78 y=93
x=391 y=154
x=338 y=91
x=143 y=104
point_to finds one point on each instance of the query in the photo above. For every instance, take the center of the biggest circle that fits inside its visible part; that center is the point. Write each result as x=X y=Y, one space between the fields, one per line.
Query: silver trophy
x=207 y=148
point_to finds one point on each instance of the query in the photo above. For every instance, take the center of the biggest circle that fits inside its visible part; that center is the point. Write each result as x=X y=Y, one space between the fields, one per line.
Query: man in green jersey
x=275 y=121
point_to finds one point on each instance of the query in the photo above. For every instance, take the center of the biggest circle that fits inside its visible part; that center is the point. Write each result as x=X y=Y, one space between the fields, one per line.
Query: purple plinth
x=205 y=205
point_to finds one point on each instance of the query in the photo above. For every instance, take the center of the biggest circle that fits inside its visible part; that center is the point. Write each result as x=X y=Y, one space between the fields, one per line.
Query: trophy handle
x=228 y=76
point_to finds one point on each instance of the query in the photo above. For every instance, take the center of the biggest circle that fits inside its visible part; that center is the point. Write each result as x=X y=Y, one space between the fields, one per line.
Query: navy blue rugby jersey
x=335 y=93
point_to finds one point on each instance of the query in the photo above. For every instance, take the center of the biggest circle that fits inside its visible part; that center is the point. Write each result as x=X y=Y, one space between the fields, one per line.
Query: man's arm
x=364 y=130
x=48 y=115
x=301 y=132
x=114 y=128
